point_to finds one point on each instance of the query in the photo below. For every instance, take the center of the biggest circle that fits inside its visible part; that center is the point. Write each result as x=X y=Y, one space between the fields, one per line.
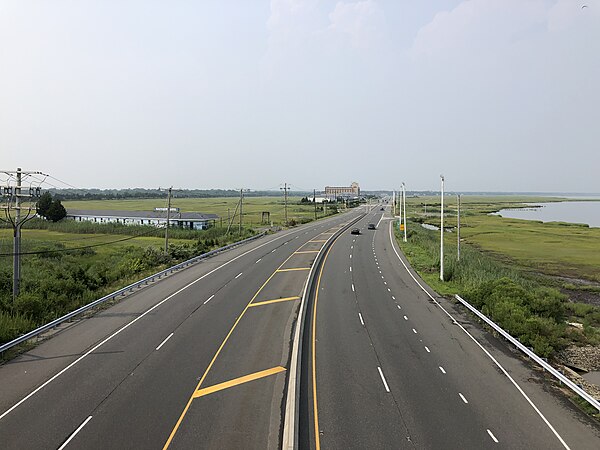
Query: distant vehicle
x=371 y=226
x=355 y=231
x=383 y=209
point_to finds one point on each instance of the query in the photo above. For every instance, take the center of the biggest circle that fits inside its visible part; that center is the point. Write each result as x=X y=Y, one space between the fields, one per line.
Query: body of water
x=571 y=212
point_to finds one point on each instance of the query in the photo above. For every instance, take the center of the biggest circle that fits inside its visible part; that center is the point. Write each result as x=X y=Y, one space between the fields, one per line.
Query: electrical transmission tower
x=18 y=205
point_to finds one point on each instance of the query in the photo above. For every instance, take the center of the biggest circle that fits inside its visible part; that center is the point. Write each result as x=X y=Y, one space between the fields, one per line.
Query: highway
x=201 y=359
x=389 y=366
x=165 y=367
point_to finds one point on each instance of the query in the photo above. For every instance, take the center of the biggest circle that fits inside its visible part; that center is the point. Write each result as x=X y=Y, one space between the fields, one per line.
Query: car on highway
x=371 y=226
x=355 y=231
x=382 y=209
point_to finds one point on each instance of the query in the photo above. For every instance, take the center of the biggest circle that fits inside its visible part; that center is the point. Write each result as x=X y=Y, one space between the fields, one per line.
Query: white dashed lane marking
x=492 y=436
x=387 y=388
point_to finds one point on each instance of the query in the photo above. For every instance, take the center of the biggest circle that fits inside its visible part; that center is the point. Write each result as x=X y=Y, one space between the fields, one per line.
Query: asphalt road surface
x=165 y=367
x=201 y=360
x=389 y=366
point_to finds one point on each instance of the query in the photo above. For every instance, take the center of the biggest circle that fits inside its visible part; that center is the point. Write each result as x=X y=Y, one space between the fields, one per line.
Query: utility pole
x=458 y=230
x=168 y=220
x=16 y=193
x=404 y=207
x=285 y=194
x=241 y=209
x=315 y=202
x=442 y=232
x=394 y=203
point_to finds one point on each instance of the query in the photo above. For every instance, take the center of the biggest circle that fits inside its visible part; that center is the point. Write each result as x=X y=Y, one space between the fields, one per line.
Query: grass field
x=223 y=207
x=550 y=248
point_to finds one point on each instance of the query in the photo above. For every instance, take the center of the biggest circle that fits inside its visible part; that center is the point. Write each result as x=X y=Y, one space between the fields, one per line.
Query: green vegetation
x=58 y=275
x=505 y=266
x=66 y=264
x=224 y=207
x=51 y=209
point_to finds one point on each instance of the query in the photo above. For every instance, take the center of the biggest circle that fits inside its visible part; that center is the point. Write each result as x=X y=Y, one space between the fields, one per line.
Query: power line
x=41 y=252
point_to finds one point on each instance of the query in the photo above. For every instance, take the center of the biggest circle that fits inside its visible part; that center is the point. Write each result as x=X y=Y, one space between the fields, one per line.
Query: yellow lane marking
x=240 y=380
x=187 y=406
x=277 y=300
x=293 y=269
x=307 y=251
x=314 y=350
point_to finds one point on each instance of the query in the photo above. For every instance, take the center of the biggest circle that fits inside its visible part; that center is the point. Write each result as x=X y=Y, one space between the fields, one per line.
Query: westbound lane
x=393 y=371
x=136 y=383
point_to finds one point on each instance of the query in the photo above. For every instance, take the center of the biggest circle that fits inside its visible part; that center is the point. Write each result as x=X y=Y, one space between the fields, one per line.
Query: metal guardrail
x=575 y=388
x=122 y=291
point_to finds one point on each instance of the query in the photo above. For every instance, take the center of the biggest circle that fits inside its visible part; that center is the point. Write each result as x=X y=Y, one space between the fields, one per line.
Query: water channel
x=571 y=212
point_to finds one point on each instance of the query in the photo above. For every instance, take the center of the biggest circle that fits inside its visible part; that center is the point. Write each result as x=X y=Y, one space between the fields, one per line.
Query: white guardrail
x=575 y=388
x=121 y=291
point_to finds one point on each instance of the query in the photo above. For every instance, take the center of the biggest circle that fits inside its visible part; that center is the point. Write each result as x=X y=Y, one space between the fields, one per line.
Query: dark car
x=383 y=209
x=371 y=226
x=355 y=231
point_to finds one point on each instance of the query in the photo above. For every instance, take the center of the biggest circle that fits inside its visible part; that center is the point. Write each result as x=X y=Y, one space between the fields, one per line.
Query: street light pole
x=404 y=207
x=442 y=231
x=458 y=230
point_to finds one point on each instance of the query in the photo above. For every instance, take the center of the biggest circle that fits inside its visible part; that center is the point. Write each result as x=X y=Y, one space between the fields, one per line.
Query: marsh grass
x=517 y=300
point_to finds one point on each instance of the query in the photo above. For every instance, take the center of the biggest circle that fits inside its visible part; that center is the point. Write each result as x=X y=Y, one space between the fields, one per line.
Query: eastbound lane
x=392 y=370
x=135 y=381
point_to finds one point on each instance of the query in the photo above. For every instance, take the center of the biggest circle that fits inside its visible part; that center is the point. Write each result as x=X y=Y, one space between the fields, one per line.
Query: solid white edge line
x=209 y=299
x=361 y=319
x=387 y=388
x=127 y=325
x=75 y=433
x=492 y=436
x=377 y=226
x=489 y=355
x=463 y=398
x=238 y=275
x=165 y=341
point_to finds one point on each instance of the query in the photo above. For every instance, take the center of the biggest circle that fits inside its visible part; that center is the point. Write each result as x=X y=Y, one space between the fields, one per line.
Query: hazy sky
x=499 y=95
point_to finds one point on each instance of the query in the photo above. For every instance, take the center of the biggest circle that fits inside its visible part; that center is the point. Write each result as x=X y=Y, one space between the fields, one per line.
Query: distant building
x=333 y=192
x=188 y=220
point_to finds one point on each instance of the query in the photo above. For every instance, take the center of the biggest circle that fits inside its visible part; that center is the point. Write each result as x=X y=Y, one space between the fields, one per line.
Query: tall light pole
x=458 y=230
x=442 y=231
x=404 y=207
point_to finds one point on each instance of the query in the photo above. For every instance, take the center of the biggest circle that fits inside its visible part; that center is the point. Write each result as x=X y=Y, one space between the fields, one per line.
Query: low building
x=188 y=220
x=332 y=192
